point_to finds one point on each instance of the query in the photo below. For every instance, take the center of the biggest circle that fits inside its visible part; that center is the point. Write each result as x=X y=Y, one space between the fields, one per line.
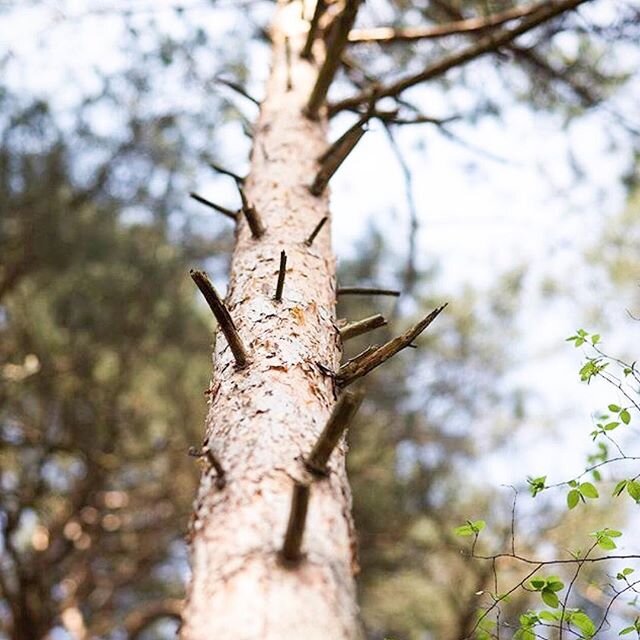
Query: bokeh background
x=522 y=212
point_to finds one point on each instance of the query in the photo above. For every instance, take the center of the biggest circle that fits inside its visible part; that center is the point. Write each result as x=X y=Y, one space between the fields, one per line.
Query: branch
x=290 y=553
x=223 y=210
x=226 y=172
x=360 y=327
x=487 y=44
x=335 y=46
x=213 y=461
x=370 y=359
x=316 y=231
x=336 y=154
x=222 y=316
x=366 y=291
x=307 y=50
x=253 y=218
x=281 y=273
x=238 y=89
x=340 y=418
x=388 y=35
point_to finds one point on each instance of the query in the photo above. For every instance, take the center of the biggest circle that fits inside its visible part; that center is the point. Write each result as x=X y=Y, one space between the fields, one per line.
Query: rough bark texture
x=264 y=418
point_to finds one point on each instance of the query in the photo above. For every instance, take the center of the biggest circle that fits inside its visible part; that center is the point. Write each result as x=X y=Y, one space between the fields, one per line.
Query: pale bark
x=266 y=416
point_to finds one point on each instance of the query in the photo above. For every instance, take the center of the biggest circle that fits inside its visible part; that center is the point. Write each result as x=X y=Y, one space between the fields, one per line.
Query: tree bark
x=266 y=416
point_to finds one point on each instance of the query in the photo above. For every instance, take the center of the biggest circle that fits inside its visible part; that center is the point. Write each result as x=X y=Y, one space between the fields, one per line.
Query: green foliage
x=630 y=629
x=536 y=485
x=548 y=588
x=471 y=528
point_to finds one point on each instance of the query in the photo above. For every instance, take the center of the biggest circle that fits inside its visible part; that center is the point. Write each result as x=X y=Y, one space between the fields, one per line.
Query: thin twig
x=366 y=291
x=487 y=44
x=366 y=362
x=290 y=553
x=316 y=231
x=410 y=272
x=341 y=416
x=226 y=172
x=362 y=326
x=238 y=89
x=389 y=35
x=222 y=316
x=281 y=273
x=223 y=210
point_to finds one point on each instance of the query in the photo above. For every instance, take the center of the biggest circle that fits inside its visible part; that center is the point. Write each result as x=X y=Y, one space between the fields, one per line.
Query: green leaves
x=580 y=492
x=472 y=528
x=588 y=490
x=635 y=627
x=591 y=368
x=548 y=588
x=536 y=485
x=579 y=338
x=576 y=618
x=622 y=575
x=604 y=538
x=581 y=621
x=573 y=497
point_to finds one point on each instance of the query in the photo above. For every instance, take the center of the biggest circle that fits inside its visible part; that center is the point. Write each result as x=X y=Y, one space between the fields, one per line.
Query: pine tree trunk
x=265 y=417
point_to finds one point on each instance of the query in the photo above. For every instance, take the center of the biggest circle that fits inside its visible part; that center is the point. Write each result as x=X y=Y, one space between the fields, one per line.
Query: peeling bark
x=266 y=417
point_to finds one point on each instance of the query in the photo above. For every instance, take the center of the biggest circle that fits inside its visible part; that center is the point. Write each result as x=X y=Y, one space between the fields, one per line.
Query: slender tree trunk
x=263 y=418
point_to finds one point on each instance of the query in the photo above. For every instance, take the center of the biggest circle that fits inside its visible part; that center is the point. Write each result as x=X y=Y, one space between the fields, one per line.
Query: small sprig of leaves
x=580 y=492
x=471 y=528
x=604 y=538
x=634 y=627
x=548 y=589
x=632 y=486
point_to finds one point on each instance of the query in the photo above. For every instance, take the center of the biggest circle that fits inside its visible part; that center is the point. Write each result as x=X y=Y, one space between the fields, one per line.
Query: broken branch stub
x=370 y=359
x=360 y=327
x=281 y=273
x=253 y=218
x=222 y=316
x=213 y=462
x=316 y=231
x=291 y=554
x=340 y=418
x=337 y=153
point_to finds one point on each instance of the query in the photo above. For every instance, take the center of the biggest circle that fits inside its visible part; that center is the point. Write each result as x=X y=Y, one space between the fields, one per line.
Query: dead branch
x=307 y=50
x=222 y=316
x=223 y=210
x=340 y=418
x=290 y=553
x=361 y=327
x=281 y=273
x=336 y=44
x=335 y=155
x=316 y=231
x=491 y=42
x=389 y=35
x=366 y=291
x=370 y=359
